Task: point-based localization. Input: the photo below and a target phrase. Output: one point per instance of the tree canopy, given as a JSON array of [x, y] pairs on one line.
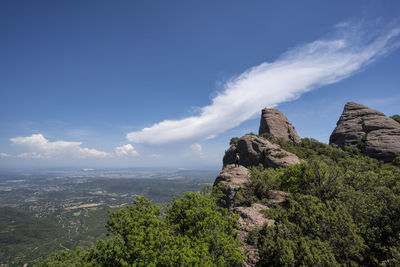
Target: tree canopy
[[343, 209], [192, 230]]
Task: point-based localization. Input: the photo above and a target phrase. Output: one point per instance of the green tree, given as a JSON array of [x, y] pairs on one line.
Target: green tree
[[192, 231], [396, 118]]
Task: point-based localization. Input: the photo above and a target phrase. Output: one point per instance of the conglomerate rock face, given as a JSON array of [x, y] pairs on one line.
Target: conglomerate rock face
[[274, 123], [254, 150], [359, 126]]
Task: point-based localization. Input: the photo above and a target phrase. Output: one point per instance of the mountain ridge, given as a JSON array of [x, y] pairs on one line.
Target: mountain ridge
[[269, 151]]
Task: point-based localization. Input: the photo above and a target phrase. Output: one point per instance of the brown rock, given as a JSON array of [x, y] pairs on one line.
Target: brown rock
[[254, 150], [250, 218], [274, 123], [230, 180], [375, 134]]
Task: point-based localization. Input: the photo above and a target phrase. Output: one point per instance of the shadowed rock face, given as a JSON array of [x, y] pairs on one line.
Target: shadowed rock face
[[359, 126], [276, 124], [254, 150]]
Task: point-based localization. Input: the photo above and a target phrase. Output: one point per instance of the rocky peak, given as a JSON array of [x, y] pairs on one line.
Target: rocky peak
[[274, 123], [254, 150], [360, 126]]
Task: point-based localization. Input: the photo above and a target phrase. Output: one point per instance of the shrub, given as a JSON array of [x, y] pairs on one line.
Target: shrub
[[234, 141], [396, 118]]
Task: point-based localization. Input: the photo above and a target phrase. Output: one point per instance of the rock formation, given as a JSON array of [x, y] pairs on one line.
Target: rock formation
[[254, 150], [274, 123], [230, 181], [371, 130], [375, 134]]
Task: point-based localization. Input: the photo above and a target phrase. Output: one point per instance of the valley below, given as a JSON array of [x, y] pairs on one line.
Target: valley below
[[49, 210]]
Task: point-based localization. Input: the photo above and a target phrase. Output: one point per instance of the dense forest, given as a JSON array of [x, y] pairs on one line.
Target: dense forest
[[343, 209]]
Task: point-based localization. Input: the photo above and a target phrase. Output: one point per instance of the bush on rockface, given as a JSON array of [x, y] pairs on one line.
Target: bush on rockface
[[396, 118]]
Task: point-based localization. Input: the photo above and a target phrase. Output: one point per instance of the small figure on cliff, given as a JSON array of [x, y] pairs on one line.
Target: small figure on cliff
[[237, 160]]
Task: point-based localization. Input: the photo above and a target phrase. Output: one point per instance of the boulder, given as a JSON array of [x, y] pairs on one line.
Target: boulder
[[275, 124], [370, 130], [254, 150]]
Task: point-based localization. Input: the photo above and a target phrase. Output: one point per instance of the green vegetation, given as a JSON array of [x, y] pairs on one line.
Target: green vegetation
[[281, 155], [193, 230], [26, 238], [343, 210], [40, 215], [21, 232], [234, 141], [396, 118]]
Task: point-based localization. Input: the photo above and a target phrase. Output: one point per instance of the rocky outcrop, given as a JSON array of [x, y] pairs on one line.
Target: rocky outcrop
[[230, 180], [274, 123], [254, 150], [375, 134]]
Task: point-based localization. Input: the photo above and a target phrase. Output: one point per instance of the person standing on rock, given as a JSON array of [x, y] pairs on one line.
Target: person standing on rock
[[237, 158]]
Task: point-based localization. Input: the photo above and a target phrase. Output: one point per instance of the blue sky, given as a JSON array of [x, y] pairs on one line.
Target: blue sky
[[168, 83]]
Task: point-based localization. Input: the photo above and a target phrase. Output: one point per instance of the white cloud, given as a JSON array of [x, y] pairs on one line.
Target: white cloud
[[40, 147], [126, 150], [4, 155], [197, 149], [299, 70], [32, 155]]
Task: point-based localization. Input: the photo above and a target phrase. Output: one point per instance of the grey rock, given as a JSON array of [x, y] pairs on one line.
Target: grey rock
[[375, 134], [230, 180], [254, 150], [274, 123]]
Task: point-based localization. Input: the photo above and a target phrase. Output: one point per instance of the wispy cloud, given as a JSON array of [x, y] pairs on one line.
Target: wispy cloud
[[40, 147], [301, 69]]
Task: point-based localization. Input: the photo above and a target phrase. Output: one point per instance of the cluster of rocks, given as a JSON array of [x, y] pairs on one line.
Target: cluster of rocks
[[254, 150], [370, 130], [359, 126]]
